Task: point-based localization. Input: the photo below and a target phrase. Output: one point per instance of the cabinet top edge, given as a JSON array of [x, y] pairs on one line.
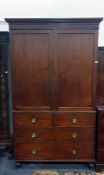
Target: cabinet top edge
[[53, 20]]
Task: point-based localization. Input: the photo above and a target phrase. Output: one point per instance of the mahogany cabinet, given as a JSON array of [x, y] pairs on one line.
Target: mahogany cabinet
[[54, 85]]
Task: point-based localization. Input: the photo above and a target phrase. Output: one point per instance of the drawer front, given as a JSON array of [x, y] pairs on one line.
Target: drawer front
[[59, 133], [74, 134], [53, 151], [28, 120], [75, 119], [34, 151], [34, 134], [73, 151]]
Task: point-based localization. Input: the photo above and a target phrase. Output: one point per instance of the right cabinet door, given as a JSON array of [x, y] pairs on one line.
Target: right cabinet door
[[75, 57]]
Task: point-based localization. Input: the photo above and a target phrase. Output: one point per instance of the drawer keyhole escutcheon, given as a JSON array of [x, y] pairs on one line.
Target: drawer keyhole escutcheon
[[33, 152], [74, 152], [74, 120], [33, 120], [74, 135], [33, 135]]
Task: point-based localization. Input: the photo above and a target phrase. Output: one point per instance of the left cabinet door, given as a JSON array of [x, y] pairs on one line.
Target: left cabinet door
[[31, 58]]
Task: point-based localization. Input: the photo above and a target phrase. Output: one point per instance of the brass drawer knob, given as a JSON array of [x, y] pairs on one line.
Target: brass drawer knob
[[33, 135], [33, 120], [74, 120], [74, 152], [33, 152], [74, 135]]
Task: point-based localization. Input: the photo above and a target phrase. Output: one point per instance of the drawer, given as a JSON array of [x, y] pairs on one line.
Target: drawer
[[75, 134], [53, 151], [75, 119], [31, 120], [34, 134], [73, 151], [58, 133], [34, 151]]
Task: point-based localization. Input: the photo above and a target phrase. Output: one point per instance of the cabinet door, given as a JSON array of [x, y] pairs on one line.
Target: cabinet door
[[75, 54], [31, 60]]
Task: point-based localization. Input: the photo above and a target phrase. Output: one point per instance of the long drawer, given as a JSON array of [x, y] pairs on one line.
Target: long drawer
[[56, 133], [31, 120], [75, 119], [53, 151]]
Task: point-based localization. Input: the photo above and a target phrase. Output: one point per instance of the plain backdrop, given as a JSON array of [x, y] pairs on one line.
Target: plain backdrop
[[52, 9]]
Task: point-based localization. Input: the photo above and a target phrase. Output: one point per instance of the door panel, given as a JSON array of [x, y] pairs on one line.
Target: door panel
[[31, 71], [75, 65]]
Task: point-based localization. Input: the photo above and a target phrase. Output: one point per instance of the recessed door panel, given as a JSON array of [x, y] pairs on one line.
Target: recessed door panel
[[31, 71], [75, 66]]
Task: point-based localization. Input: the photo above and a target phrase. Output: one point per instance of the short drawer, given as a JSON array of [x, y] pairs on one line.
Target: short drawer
[[34, 134], [75, 134], [34, 151], [75, 119], [58, 134], [73, 151], [30, 120], [54, 151]]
